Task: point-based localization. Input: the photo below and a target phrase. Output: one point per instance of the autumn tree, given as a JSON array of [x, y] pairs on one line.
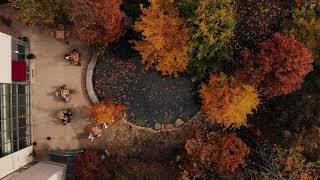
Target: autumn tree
[[292, 120], [294, 165], [279, 68], [107, 112], [98, 21], [88, 165], [164, 43], [37, 12], [305, 26], [225, 152], [187, 8], [212, 28], [226, 101]]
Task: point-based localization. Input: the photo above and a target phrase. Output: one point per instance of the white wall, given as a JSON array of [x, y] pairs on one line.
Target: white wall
[[15, 161], [5, 58]]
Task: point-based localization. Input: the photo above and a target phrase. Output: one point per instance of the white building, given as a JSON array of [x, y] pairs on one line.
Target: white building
[[15, 115]]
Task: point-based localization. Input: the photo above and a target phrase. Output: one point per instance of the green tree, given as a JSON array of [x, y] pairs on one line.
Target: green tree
[[305, 26], [212, 27], [187, 8], [36, 12]]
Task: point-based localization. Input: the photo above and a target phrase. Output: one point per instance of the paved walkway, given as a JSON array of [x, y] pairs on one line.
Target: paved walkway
[[52, 71]]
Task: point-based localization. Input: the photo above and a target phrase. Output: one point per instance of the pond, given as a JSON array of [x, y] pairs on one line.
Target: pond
[[149, 96]]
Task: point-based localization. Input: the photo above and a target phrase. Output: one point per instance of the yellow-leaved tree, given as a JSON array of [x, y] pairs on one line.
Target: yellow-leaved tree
[[165, 42], [227, 101], [107, 112]]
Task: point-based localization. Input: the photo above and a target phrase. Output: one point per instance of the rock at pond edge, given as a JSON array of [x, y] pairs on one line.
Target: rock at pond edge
[[157, 126], [179, 122]]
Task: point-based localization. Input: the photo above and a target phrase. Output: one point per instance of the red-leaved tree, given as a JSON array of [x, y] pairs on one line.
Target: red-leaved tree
[[88, 165], [279, 68], [226, 152], [97, 21]]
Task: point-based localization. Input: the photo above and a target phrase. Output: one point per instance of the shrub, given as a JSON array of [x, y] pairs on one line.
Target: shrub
[[107, 112], [227, 101], [164, 43], [100, 21], [279, 68], [212, 28]]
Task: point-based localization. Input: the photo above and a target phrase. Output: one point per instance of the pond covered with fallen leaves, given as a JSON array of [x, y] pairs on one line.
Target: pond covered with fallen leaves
[[149, 97]]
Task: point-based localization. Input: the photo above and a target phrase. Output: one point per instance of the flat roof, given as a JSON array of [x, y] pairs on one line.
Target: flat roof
[[44, 170], [5, 58]]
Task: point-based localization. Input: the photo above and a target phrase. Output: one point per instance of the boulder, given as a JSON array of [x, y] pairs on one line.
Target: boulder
[[179, 122], [157, 126], [168, 126]]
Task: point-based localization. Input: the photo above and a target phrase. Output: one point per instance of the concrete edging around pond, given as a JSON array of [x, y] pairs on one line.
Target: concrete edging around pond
[[89, 78]]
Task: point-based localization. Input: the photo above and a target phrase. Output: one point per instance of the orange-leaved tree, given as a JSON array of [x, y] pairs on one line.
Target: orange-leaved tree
[[97, 21], [107, 112], [279, 68], [227, 101], [226, 152], [165, 42]]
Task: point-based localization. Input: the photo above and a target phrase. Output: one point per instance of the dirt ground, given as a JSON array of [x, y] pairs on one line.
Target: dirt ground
[[123, 139]]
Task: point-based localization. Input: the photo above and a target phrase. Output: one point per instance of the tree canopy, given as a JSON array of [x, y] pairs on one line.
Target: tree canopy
[[165, 42], [226, 152], [98, 21], [305, 26], [212, 28], [279, 68], [227, 101], [37, 12]]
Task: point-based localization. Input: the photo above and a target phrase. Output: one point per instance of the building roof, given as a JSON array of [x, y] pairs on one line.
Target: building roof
[[5, 58], [43, 170]]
